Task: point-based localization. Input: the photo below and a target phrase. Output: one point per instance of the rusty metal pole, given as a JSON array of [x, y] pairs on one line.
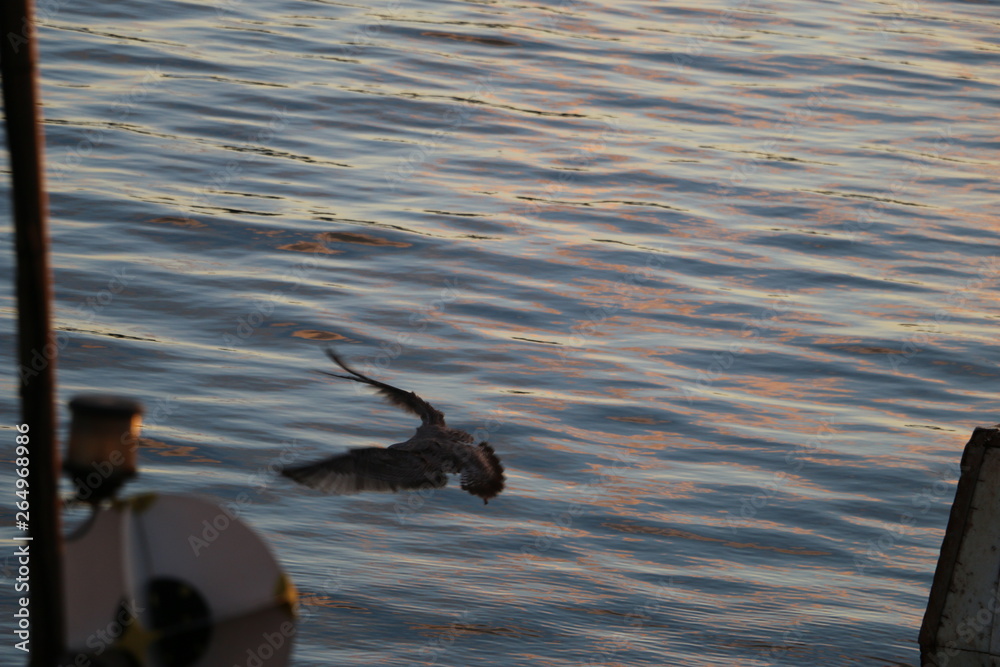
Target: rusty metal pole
[[36, 346]]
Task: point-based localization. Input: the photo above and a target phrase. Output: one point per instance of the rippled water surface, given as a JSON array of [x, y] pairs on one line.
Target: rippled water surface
[[717, 281]]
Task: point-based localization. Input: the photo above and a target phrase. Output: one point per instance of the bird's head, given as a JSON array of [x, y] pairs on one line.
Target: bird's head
[[485, 480]]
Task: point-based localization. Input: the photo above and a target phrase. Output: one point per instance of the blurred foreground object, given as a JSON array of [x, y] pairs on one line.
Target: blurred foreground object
[[961, 627], [173, 581], [103, 439], [162, 580]]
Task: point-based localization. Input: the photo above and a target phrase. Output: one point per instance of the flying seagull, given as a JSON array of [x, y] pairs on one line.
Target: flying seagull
[[421, 462]]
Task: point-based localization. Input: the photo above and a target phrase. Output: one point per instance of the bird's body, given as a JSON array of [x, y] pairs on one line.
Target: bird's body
[[423, 461]]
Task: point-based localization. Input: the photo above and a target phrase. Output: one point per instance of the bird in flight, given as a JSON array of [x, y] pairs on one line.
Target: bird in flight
[[423, 461]]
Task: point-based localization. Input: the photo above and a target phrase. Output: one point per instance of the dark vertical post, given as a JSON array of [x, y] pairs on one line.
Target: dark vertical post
[[36, 347]]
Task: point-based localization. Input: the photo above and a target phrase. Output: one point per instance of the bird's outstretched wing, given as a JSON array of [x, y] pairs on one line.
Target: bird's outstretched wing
[[482, 472], [403, 399], [367, 469]]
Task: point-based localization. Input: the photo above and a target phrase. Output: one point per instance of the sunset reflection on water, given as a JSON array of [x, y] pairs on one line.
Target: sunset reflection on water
[[717, 282]]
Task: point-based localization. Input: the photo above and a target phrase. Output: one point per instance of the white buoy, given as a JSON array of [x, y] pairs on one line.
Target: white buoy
[[174, 580]]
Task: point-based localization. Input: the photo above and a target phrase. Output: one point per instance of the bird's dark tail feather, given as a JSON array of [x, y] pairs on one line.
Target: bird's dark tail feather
[[354, 375], [406, 400]]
